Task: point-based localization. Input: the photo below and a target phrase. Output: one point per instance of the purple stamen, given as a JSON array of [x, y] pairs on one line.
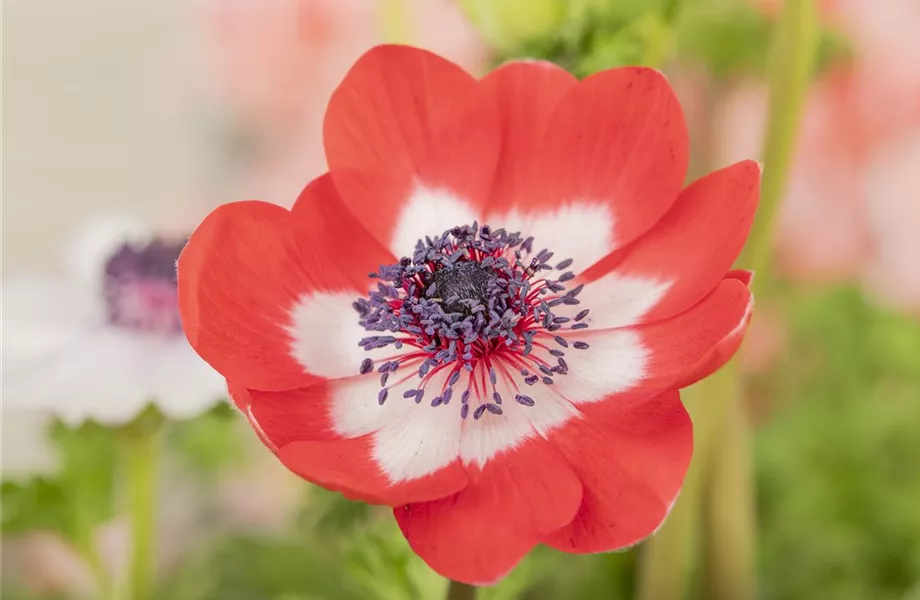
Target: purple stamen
[[564, 264], [471, 298], [525, 400]]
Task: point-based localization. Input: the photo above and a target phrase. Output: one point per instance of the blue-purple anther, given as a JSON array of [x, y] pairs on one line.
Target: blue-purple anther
[[476, 302], [139, 287]]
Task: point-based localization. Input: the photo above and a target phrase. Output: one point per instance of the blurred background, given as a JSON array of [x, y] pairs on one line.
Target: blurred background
[[125, 122]]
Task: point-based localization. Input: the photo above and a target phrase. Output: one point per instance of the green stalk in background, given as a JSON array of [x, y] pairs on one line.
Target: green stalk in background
[[719, 483], [667, 559], [659, 36], [794, 50], [140, 446], [394, 21], [729, 512]]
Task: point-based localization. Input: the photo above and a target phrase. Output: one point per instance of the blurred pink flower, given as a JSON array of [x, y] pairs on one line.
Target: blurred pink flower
[[892, 185], [851, 201], [263, 496], [276, 62], [44, 564]]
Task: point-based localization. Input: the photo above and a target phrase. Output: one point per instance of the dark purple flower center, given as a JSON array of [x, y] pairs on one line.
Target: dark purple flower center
[[140, 287], [468, 301]]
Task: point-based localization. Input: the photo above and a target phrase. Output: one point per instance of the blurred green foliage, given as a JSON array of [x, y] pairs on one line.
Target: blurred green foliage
[[838, 483], [210, 443], [77, 498], [725, 37]]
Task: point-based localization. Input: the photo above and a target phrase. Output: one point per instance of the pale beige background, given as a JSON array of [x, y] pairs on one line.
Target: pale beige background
[[98, 116]]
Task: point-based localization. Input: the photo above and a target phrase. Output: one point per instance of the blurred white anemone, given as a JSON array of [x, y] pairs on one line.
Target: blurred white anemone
[[102, 341]]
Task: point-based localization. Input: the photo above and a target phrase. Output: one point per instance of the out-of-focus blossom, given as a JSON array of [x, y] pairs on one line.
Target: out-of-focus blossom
[[263, 496], [276, 62], [103, 340], [44, 564], [892, 186], [849, 211], [551, 409]]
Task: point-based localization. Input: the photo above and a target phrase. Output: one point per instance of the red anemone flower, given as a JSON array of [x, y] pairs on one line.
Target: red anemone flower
[[481, 316]]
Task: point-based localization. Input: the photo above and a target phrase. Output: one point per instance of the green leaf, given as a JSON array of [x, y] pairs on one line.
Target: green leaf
[[210, 442], [77, 498]]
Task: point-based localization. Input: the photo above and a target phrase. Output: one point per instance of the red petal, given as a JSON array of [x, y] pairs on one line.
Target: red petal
[[293, 415], [723, 352], [241, 271], [347, 466], [617, 139], [249, 263], [331, 229], [694, 244], [337, 435], [631, 454], [402, 117], [681, 345], [526, 94], [479, 534], [745, 277], [656, 356], [242, 399]]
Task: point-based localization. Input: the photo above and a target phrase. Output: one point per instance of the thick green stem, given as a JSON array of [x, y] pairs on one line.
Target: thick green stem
[[729, 517], [793, 56], [665, 560], [730, 520], [668, 558], [461, 591], [395, 22], [659, 36], [141, 451]]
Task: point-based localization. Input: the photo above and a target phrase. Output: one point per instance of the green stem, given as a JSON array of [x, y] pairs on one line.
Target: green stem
[[461, 591], [668, 558], [729, 543], [659, 33], [84, 539], [665, 560], [729, 517], [669, 11], [141, 449], [793, 56], [395, 21]]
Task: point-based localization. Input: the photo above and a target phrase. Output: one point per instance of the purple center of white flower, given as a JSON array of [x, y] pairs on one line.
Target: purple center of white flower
[[140, 287], [472, 301]]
